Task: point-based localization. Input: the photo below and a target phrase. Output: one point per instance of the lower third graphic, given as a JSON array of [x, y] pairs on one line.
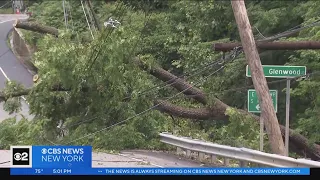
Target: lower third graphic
[[21, 156]]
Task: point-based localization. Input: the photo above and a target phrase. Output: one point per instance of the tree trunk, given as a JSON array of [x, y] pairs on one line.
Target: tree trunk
[[218, 108], [225, 47], [268, 114], [31, 26]]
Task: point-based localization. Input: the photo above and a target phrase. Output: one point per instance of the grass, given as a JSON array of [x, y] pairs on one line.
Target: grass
[[6, 11]]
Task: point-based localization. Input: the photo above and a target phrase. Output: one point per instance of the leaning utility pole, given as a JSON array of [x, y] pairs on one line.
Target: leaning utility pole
[[268, 114]]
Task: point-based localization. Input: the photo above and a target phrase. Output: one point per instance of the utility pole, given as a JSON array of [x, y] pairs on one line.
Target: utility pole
[[268, 115]]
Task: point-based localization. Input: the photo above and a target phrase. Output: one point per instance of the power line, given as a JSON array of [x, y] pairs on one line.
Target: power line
[[104, 40], [5, 162], [236, 52], [65, 14], [5, 4], [279, 35], [221, 62], [4, 53], [290, 31], [186, 75], [252, 86], [89, 26]]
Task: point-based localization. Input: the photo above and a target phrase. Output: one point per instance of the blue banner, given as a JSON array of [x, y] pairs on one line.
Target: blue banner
[[160, 171], [61, 157]]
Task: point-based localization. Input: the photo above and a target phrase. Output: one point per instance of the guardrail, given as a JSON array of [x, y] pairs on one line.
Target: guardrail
[[243, 155]]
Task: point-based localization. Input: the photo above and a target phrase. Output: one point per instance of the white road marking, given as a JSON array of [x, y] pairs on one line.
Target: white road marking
[[21, 18], [5, 75], [7, 21]]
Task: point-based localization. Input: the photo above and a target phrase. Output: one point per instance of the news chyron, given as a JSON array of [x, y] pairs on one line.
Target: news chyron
[[50, 156]]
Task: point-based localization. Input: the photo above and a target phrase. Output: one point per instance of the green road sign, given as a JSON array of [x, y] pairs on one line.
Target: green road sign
[[253, 101], [280, 71]]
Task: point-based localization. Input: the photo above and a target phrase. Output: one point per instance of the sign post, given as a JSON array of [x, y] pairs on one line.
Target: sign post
[[261, 134], [254, 107], [275, 71], [287, 117]]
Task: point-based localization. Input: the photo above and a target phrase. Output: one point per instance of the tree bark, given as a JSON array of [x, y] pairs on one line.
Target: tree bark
[[189, 113], [225, 47], [268, 114], [32, 26]]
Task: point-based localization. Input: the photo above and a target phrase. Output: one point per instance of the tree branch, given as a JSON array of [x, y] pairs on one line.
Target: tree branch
[[25, 92], [36, 27]]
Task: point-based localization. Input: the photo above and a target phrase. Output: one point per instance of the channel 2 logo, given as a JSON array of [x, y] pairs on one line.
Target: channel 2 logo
[[21, 156]]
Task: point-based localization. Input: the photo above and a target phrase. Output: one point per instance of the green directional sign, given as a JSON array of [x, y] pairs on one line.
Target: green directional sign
[[253, 101], [280, 71]]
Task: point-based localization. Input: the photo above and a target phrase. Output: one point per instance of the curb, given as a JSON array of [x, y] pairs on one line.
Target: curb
[[12, 48]]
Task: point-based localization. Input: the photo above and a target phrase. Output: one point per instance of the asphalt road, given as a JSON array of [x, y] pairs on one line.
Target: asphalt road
[[10, 67]]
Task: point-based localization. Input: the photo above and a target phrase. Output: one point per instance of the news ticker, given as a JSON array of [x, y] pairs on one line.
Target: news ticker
[[159, 171]]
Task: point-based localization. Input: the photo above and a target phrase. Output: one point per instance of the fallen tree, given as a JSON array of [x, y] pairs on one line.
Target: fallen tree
[[215, 111]]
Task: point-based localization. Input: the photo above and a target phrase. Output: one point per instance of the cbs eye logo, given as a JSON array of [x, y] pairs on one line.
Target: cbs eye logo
[[21, 156]]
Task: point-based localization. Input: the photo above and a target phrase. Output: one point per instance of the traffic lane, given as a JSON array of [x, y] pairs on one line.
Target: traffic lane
[[9, 62], [6, 24], [23, 113], [5, 27], [11, 65], [3, 49], [14, 70], [24, 106]]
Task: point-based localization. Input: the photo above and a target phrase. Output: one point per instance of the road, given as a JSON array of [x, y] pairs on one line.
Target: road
[[10, 66], [134, 158]]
